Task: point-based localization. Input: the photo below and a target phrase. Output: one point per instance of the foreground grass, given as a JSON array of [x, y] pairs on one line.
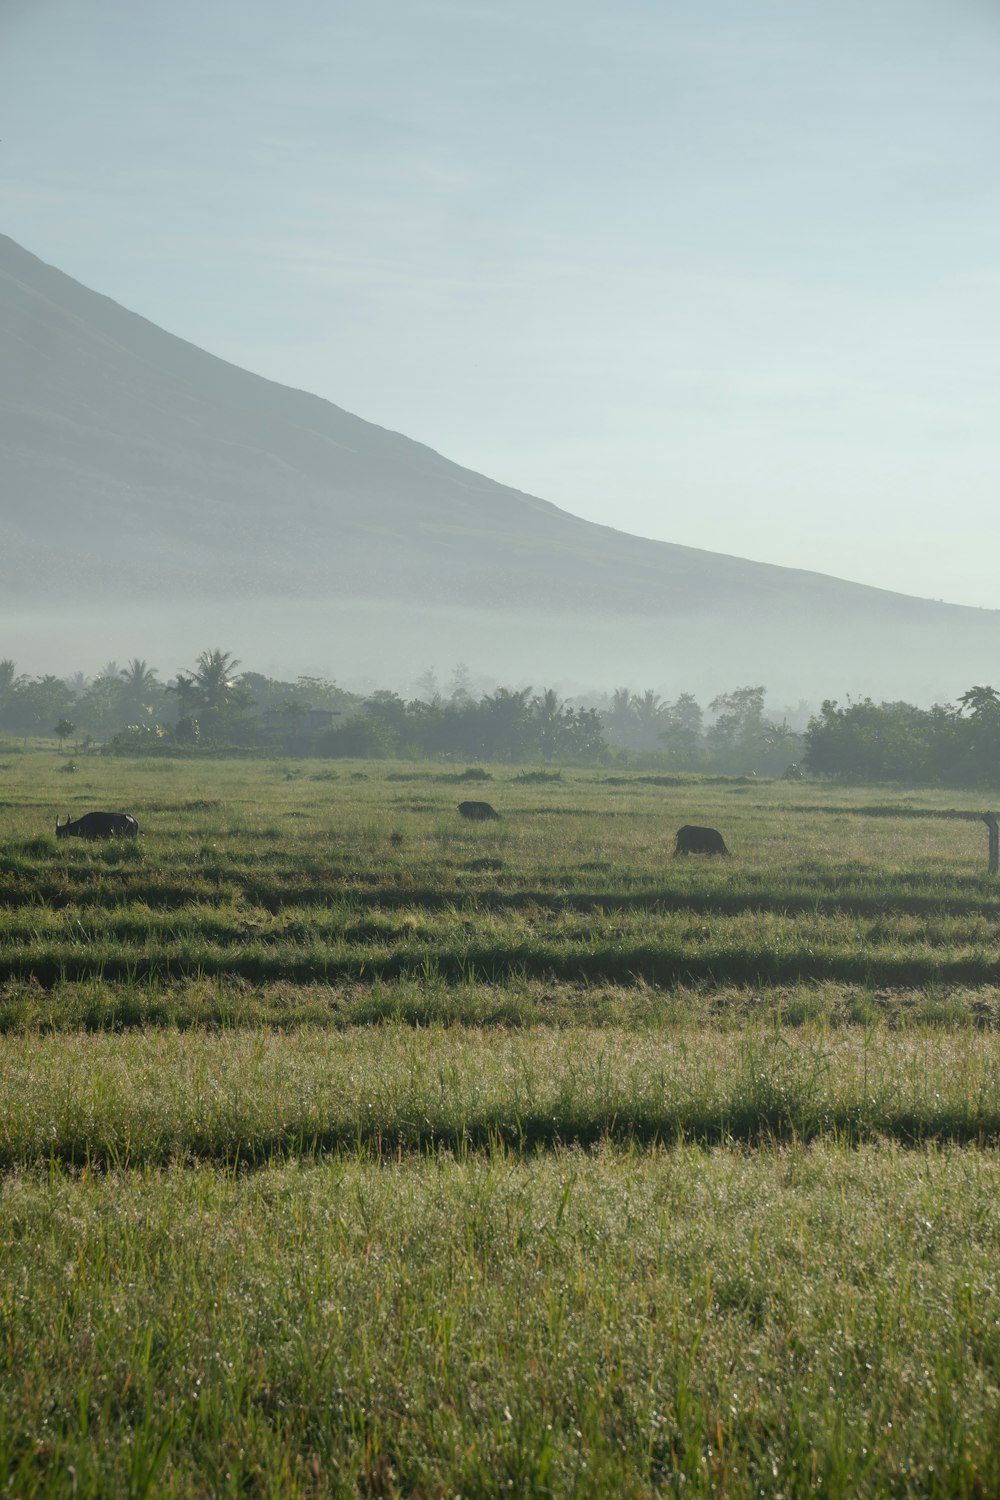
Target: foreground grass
[[249, 1097], [806, 1320]]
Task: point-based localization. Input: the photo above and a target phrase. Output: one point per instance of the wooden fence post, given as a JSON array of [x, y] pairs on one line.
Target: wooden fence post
[[990, 819]]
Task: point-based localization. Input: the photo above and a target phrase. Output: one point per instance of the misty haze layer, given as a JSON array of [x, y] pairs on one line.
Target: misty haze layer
[[157, 500]]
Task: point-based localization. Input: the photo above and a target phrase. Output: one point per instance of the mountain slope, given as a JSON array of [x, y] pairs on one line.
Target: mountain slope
[[142, 468]]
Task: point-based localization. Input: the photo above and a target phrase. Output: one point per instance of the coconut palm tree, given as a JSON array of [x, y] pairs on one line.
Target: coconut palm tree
[[213, 697], [138, 676], [621, 714], [140, 690], [547, 712], [981, 703], [10, 681], [505, 722], [648, 708], [212, 684]]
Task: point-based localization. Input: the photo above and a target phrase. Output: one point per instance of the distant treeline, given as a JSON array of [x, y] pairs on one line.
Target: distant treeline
[[216, 705], [947, 745]]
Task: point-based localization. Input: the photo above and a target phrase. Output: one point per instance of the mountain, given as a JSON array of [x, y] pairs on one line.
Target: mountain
[[151, 485]]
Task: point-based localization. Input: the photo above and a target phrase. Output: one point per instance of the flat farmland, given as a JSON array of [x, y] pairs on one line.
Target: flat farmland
[[348, 1147], [247, 872]]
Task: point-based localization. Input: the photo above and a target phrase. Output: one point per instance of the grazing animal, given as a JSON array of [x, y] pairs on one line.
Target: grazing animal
[[481, 811], [694, 840], [98, 825]]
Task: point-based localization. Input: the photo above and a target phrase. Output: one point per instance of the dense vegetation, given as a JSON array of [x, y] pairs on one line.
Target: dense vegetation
[[347, 1147], [215, 706], [939, 746]]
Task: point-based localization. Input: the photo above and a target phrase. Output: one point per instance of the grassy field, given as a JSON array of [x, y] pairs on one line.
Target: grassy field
[[350, 1148]]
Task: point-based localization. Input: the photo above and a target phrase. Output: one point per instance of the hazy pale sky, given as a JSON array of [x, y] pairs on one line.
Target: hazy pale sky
[[724, 273]]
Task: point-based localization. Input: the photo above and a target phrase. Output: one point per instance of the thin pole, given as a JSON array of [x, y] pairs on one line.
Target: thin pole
[[990, 819]]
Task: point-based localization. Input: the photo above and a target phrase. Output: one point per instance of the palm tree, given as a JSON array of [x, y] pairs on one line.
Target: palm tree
[[980, 731], [621, 714], [212, 684], [10, 680], [504, 717], [212, 698], [140, 689], [138, 676], [648, 708], [982, 703], [548, 715]]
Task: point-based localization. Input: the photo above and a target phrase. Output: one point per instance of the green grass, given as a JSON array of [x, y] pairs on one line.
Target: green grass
[[244, 873], [349, 1148], [151, 1098], [805, 1320], [225, 1000]]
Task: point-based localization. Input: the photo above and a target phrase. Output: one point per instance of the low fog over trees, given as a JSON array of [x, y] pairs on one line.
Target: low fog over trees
[[217, 705], [736, 735]]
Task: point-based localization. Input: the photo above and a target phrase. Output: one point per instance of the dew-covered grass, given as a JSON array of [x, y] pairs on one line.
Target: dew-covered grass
[[349, 1148], [248, 1096], [345, 876], [804, 1320]]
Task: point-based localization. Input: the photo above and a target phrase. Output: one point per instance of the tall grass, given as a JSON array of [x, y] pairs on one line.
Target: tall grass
[[806, 1320], [151, 1098]]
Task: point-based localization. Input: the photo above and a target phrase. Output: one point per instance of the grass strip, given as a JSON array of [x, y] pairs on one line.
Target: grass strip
[[146, 1099], [224, 1001], [661, 965]]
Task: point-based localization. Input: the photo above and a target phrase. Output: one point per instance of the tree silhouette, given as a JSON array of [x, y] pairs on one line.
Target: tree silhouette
[[505, 723], [547, 715], [138, 676], [212, 698], [648, 708], [980, 731], [428, 687], [212, 684], [982, 704], [681, 732], [10, 680], [739, 727], [460, 685], [140, 689], [621, 714]]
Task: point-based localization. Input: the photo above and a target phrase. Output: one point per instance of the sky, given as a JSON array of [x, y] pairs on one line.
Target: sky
[[720, 273]]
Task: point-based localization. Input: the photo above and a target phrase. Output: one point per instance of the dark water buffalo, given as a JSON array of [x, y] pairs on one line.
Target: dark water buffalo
[[98, 825], [481, 811], [694, 840]]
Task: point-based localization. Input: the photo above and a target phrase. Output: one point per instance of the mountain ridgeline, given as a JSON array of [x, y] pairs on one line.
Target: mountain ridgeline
[[150, 486]]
